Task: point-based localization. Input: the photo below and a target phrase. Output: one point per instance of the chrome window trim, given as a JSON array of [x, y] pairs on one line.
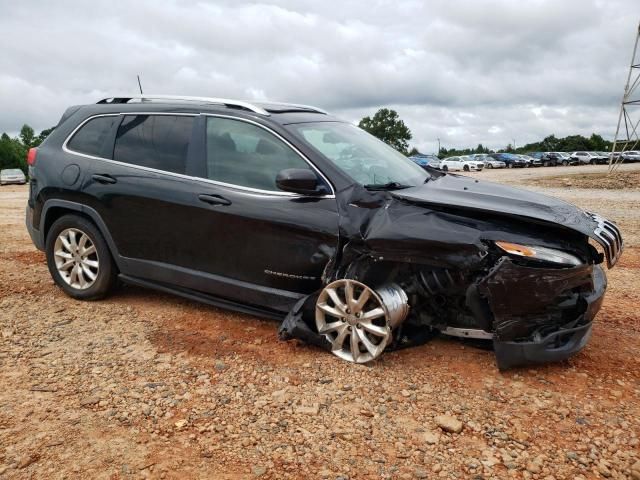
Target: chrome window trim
[[248, 190]]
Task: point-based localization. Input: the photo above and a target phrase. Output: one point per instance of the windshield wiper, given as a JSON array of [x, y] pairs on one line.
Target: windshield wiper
[[386, 186]]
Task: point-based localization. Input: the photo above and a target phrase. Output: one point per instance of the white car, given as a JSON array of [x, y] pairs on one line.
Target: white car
[[12, 175], [585, 158], [456, 164], [489, 162]]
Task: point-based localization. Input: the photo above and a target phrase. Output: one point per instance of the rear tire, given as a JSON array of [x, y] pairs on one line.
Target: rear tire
[[79, 258], [565, 163], [445, 169], [466, 168]]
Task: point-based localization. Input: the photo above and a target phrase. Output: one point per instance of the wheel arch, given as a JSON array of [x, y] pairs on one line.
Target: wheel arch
[[55, 209]]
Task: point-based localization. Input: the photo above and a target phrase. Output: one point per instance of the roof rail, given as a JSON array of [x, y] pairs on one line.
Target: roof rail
[[221, 101], [295, 105]]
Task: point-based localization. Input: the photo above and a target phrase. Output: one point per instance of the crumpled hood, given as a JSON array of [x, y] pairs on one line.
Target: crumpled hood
[[468, 193]]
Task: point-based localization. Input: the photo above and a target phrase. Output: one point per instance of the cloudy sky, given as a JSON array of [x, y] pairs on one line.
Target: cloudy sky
[[467, 72]]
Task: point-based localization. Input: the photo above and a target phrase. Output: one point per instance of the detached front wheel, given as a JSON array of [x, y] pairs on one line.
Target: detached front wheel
[[358, 321], [79, 259]]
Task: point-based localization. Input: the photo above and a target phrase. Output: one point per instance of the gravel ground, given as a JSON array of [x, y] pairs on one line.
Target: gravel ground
[[145, 385]]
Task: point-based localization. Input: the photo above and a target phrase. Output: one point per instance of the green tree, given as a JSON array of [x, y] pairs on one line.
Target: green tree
[[413, 151], [43, 134], [12, 153], [388, 127], [27, 136]]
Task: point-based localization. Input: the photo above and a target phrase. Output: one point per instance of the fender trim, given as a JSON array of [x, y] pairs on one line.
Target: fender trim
[[88, 211]]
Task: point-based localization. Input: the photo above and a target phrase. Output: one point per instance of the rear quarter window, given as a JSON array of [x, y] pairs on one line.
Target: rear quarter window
[[92, 137]]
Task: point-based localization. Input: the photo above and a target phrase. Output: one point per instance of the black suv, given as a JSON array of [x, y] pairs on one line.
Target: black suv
[[287, 212]]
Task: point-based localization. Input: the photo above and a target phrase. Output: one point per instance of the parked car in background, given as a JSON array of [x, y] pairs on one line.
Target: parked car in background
[[465, 163], [12, 175], [489, 162], [551, 159], [603, 157], [425, 160], [510, 160], [565, 159], [531, 161], [629, 156], [585, 158]]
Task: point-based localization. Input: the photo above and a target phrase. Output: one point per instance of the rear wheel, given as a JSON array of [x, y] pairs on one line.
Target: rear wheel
[[445, 169], [565, 163], [79, 259], [466, 168]]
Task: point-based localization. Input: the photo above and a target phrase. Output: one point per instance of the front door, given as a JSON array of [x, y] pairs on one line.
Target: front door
[[258, 233]]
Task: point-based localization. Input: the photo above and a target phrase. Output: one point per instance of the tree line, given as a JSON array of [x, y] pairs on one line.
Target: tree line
[[13, 151], [387, 125]]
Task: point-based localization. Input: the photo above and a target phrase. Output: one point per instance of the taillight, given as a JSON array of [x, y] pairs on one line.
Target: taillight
[[31, 156]]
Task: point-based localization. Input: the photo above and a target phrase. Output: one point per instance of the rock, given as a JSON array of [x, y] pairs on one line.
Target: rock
[[420, 473], [258, 470], [181, 423], [535, 465], [312, 409], [448, 423], [88, 401], [604, 470], [436, 468], [430, 438], [219, 365], [28, 460], [635, 470]]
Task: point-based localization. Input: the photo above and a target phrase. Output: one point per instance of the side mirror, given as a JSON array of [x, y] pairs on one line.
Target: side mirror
[[299, 180]]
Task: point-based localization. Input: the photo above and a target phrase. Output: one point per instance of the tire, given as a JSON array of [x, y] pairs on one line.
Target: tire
[[466, 168], [509, 165], [99, 263], [489, 165], [445, 169], [565, 163]]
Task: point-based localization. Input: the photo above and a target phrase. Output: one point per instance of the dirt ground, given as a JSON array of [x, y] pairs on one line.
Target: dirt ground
[[146, 385]]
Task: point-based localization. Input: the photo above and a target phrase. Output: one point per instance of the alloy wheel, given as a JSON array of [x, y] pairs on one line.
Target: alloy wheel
[[354, 319], [76, 258]]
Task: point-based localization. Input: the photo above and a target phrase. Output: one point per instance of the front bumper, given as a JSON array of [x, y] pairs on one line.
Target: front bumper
[[555, 325]]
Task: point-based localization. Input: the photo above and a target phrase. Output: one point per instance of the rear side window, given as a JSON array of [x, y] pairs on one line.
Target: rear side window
[[240, 153], [91, 138], [154, 141]]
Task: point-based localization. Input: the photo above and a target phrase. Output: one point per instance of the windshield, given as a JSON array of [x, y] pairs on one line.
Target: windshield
[[363, 157], [12, 171]]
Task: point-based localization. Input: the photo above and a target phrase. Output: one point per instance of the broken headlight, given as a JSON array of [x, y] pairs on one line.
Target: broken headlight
[[542, 254]]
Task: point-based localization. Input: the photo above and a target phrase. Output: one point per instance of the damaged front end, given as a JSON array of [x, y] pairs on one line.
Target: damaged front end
[[410, 267]]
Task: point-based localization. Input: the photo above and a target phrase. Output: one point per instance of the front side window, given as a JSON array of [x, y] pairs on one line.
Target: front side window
[[92, 137], [361, 156], [154, 141], [244, 154]]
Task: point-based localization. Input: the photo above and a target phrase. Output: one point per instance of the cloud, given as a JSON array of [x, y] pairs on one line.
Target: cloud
[[487, 71]]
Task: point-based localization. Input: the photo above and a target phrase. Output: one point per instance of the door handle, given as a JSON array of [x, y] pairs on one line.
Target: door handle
[[214, 199], [104, 178]]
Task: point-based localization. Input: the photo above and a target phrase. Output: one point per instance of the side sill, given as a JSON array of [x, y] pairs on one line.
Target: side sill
[[203, 297]]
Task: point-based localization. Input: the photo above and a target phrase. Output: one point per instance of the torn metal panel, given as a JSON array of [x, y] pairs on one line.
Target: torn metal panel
[[436, 243]]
